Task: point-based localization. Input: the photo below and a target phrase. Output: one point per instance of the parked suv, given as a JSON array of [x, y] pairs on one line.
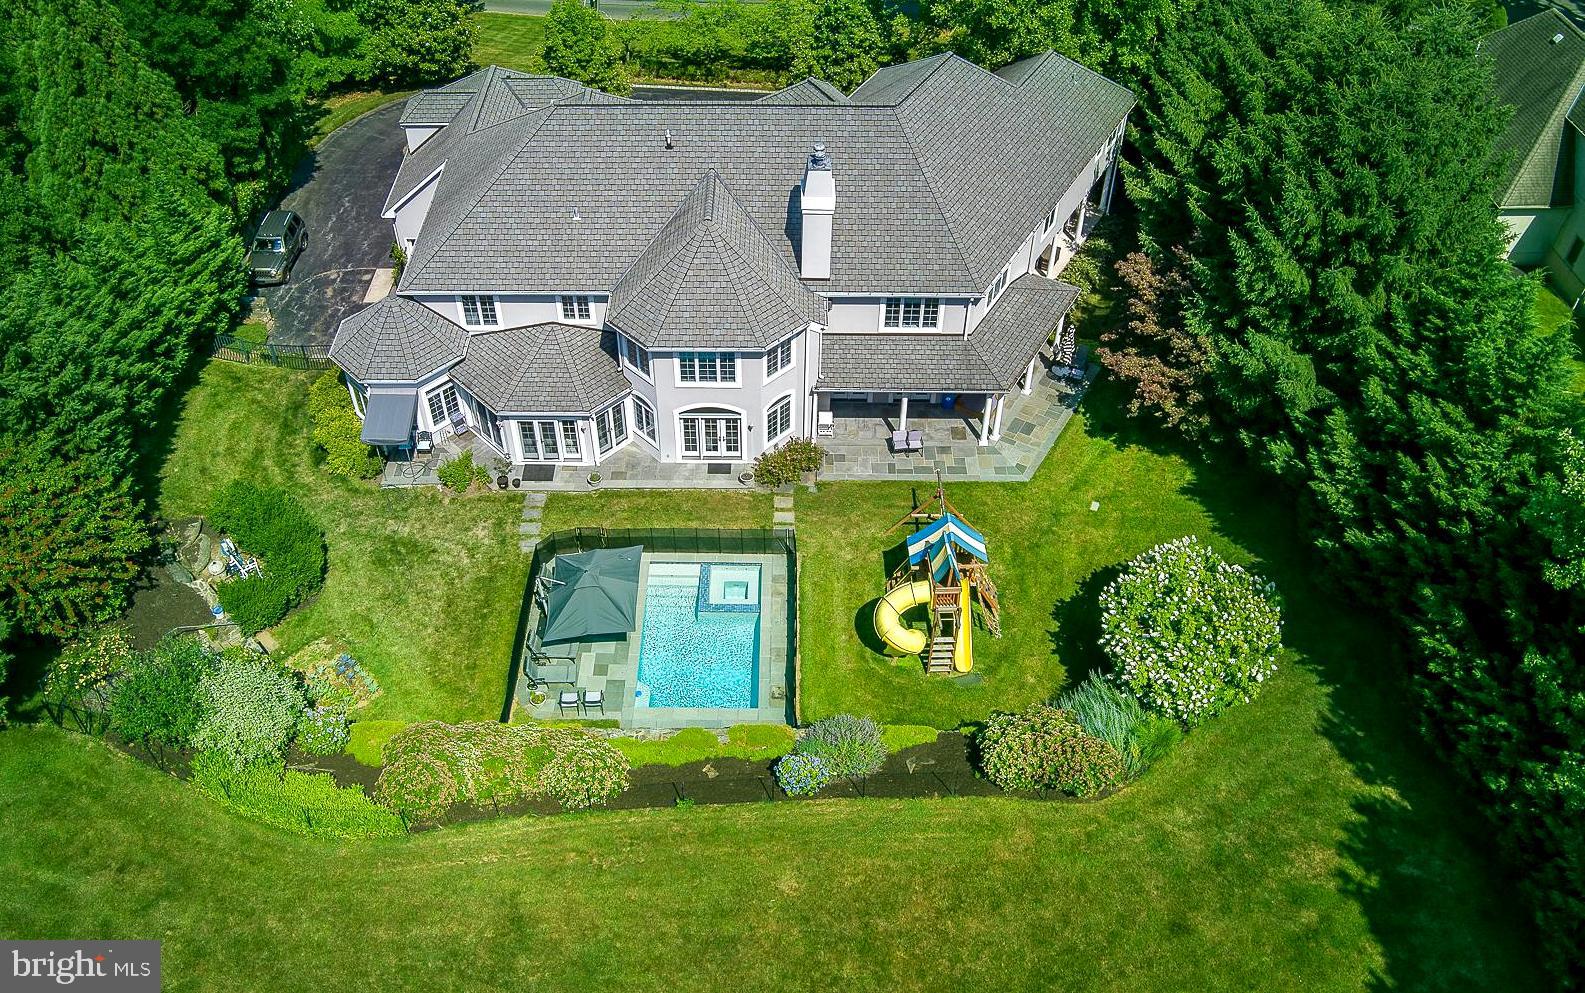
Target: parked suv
[[276, 245]]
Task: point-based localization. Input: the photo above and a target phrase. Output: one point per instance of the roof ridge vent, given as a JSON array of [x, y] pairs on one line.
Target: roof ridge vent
[[1557, 38]]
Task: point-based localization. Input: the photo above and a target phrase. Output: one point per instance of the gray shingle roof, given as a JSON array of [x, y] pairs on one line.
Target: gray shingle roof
[[1541, 80], [939, 178], [712, 277], [989, 360], [543, 369], [396, 339], [808, 90]]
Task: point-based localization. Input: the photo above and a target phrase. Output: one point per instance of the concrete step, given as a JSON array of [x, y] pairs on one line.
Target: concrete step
[[527, 546], [783, 501], [529, 528], [533, 513], [783, 517], [534, 498]]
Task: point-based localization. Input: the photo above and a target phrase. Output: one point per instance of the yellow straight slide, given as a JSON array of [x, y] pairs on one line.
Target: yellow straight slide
[[963, 650], [889, 612]]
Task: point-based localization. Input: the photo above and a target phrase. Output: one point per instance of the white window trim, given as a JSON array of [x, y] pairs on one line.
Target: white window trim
[[718, 384], [495, 305], [594, 430], [902, 307], [627, 360], [697, 410], [792, 422], [791, 345], [561, 307], [654, 420]]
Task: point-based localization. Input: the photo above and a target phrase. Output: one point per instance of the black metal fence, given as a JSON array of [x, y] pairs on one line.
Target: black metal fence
[[234, 349], [702, 541]]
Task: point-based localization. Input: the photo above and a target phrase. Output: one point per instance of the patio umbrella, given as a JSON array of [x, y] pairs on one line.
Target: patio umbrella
[[592, 593]]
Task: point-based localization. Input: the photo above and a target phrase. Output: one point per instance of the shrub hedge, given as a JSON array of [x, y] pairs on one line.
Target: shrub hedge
[[251, 708], [270, 524], [304, 803], [788, 461], [1044, 748], [802, 774], [457, 474], [157, 701], [338, 429]]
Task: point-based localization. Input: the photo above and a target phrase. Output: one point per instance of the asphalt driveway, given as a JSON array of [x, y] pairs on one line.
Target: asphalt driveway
[[339, 189]]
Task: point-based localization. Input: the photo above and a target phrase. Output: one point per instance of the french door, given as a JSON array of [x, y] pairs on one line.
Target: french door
[[549, 441], [712, 435]]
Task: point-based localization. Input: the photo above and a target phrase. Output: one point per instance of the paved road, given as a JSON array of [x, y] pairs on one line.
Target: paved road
[[340, 189]]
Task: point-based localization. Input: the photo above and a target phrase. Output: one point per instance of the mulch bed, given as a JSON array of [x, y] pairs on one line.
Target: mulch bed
[[940, 768]]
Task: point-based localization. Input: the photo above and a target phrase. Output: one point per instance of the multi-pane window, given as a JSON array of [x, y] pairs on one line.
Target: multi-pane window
[[479, 312], [778, 358], [548, 441], [610, 428], [443, 405], [997, 287], [913, 312], [1051, 219], [644, 418], [707, 367], [636, 356], [575, 308], [778, 419]]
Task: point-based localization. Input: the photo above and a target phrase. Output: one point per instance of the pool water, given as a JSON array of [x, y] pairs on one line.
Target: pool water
[[699, 644]]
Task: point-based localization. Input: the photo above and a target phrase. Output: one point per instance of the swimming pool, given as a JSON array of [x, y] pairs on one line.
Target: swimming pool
[[699, 644]]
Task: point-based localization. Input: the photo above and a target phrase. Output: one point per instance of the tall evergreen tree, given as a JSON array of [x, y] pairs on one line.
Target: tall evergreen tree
[[1323, 179]]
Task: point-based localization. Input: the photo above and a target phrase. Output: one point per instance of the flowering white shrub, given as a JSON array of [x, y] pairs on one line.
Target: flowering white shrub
[[1190, 634]]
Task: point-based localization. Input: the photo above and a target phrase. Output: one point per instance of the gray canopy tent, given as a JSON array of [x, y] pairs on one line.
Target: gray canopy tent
[[592, 594]]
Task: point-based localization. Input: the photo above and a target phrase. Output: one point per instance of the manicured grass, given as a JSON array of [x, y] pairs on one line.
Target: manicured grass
[[1553, 311], [745, 741], [423, 588], [511, 41], [345, 107], [736, 508], [367, 740]]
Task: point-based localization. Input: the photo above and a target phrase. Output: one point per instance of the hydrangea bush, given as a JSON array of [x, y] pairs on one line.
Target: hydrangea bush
[[584, 771], [801, 774], [1044, 748], [1190, 635], [324, 730]]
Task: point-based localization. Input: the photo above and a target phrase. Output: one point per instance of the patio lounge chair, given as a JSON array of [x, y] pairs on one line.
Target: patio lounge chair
[[459, 425], [554, 665]]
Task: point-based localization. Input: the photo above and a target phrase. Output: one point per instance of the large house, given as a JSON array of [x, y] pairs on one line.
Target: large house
[[706, 280], [1539, 64]]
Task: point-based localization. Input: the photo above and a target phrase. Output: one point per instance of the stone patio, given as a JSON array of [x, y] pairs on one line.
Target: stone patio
[[611, 665]]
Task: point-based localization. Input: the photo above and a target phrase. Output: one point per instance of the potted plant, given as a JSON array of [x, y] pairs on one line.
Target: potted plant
[[502, 467], [537, 696], [594, 479]]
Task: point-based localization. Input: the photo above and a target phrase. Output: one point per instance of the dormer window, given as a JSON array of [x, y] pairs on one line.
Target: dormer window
[[575, 308], [922, 313], [479, 312]]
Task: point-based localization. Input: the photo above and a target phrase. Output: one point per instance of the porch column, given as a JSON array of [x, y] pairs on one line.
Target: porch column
[[902, 418], [985, 420], [1109, 185], [1029, 375], [996, 426], [1078, 233]]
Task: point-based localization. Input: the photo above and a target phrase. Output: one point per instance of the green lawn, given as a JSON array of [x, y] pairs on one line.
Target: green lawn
[[1553, 311], [1305, 842], [423, 588], [346, 107], [511, 41]]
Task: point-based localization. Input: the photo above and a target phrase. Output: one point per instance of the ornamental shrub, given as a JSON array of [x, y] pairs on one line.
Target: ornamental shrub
[[584, 770], [850, 747], [324, 729], [338, 430], [1044, 748], [1110, 714], [1190, 634], [430, 767], [802, 774], [87, 663], [459, 473], [251, 708], [788, 461], [158, 702], [270, 524], [304, 803]]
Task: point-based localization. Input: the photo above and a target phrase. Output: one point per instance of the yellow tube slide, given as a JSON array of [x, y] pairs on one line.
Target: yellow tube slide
[[889, 618], [963, 650]]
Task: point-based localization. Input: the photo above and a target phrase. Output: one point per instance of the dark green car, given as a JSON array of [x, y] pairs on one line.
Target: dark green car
[[276, 245]]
